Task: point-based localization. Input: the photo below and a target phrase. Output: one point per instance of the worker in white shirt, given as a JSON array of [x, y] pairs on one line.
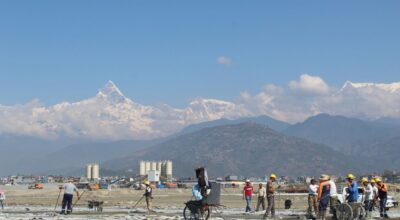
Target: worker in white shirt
[[261, 194], [368, 196], [312, 198], [333, 200], [374, 192], [69, 189], [2, 199], [148, 194]]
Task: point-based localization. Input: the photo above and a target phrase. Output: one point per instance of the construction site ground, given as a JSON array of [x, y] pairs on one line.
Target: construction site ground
[[24, 204]]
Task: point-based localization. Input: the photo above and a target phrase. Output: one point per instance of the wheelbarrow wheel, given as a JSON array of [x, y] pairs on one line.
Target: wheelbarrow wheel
[[344, 212]]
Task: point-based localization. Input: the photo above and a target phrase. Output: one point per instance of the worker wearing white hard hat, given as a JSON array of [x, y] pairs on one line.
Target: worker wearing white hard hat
[[247, 194]]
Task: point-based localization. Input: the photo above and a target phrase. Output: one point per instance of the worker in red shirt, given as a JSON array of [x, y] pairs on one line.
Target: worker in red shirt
[[247, 194]]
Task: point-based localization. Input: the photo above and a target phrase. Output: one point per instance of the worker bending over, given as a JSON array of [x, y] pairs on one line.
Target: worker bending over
[[69, 189]]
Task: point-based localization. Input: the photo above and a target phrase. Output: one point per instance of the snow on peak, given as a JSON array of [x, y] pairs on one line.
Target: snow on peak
[[209, 109], [204, 102], [111, 92], [389, 87], [110, 88]]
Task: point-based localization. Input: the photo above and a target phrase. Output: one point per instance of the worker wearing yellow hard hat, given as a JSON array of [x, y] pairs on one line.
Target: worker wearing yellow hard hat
[[148, 194], [375, 191], [270, 196], [382, 194], [368, 196], [352, 188]]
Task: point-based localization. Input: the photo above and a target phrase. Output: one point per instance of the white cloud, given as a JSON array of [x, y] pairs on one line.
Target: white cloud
[[310, 95], [225, 61], [310, 84]]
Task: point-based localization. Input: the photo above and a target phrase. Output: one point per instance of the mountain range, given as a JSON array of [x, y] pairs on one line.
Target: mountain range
[[247, 149], [114, 130], [248, 146], [341, 133]]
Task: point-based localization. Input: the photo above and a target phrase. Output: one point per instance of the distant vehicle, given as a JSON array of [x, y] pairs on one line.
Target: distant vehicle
[[390, 203], [36, 186], [94, 186]]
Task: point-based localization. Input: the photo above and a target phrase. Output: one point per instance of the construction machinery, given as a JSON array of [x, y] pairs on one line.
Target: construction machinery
[[94, 186], [36, 186]]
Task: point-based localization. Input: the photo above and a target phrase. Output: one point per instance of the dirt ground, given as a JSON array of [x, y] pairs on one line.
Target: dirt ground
[[118, 202], [163, 198]]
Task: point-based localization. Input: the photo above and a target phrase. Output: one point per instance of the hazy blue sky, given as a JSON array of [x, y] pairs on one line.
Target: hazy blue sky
[[167, 51]]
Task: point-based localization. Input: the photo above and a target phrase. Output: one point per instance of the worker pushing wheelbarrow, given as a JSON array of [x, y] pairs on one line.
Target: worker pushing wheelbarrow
[[206, 196], [352, 206]]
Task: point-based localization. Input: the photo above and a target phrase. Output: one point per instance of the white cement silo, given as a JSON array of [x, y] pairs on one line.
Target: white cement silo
[[89, 171], [95, 171], [168, 169], [148, 166], [142, 168], [159, 166], [153, 165]]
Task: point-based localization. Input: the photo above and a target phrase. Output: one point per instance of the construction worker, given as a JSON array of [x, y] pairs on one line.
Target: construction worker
[[375, 193], [312, 198], [69, 189], [270, 196], [247, 194], [352, 189], [148, 194], [324, 190], [382, 194], [368, 196], [2, 199], [333, 198], [261, 194]]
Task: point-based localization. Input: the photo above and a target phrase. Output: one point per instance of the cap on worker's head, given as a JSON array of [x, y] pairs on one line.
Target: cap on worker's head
[[146, 182], [350, 176], [272, 176], [364, 180], [324, 177]]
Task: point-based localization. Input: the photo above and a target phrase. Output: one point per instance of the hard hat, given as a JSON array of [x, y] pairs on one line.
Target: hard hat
[[324, 177], [146, 182], [364, 180], [272, 176], [378, 180], [247, 181], [373, 181], [350, 176]]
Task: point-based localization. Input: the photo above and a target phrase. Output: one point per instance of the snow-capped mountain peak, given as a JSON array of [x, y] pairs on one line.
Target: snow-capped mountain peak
[[111, 92], [388, 87], [112, 116]]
